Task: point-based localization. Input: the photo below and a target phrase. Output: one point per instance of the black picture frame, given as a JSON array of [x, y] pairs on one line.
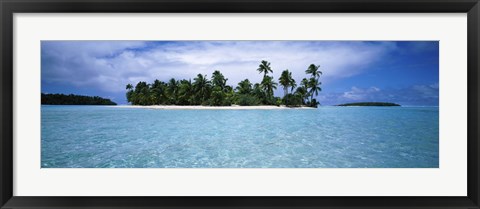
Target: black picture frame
[[9, 7]]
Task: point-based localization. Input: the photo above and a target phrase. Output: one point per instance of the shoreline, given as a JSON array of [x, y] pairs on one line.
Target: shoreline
[[233, 107]]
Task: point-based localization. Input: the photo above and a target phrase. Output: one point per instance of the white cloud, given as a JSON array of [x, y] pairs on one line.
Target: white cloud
[[360, 94], [110, 65]]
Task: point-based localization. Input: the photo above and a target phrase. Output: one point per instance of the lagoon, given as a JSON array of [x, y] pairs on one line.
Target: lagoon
[[326, 137]]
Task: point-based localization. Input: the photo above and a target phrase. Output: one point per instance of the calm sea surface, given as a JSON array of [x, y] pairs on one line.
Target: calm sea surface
[[327, 137]]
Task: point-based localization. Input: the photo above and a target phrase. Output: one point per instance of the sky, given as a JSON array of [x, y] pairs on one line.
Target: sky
[[403, 72]]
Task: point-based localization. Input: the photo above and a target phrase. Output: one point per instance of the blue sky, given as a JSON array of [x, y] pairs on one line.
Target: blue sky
[[404, 72]]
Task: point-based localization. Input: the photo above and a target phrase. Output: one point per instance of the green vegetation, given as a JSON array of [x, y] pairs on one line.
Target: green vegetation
[[370, 104], [216, 91], [71, 99]]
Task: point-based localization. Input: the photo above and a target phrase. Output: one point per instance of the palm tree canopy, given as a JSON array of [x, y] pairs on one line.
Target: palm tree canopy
[[218, 79], [141, 85], [314, 70], [257, 89], [202, 86], [185, 86], [244, 87], [264, 67], [268, 84], [285, 79], [293, 84], [157, 84], [301, 91], [201, 82], [172, 84], [315, 86], [304, 83]]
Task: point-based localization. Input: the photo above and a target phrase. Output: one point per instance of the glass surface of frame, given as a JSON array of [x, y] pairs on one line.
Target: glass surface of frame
[[467, 202]]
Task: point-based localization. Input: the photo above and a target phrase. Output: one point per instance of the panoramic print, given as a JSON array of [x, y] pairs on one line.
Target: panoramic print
[[239, 104]]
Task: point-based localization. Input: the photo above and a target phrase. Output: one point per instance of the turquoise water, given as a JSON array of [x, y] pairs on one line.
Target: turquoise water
[[327, 137]]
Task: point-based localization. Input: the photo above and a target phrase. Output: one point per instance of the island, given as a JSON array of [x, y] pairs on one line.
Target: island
[[380, 104], [72, 99], [215, 91]]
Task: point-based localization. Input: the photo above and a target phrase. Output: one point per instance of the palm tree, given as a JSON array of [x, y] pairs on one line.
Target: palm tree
[[264, 68], [172, 87], [185, 92], [217, 96], [314, 87], [158, 91], [268, 85], [142, 94], [306, 85], [314, 70], [129, 95], [228, 95], [202, 87], [219, 80], [302, 93], [293, 84], [286, 81], [244, 87], [258, 91]]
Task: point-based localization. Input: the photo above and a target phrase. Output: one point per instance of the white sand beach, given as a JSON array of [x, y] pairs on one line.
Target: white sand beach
[[233, 107]]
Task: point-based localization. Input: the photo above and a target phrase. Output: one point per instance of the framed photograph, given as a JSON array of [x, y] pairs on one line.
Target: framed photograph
[[239, 104]]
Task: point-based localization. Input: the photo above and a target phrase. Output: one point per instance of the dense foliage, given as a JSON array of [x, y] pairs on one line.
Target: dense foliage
[[216, 91], [71, 99], [370, 104]]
